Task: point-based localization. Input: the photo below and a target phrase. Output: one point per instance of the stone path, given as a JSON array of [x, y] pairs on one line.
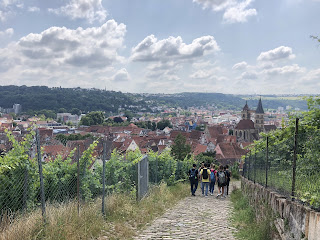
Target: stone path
[[205, 218]]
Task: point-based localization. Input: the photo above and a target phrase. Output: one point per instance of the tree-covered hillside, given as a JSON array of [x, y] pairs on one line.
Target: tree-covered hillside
[[41, 97], [38, 98], [188, 99]]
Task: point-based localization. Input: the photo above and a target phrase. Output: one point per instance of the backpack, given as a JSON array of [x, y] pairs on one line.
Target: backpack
[[192, 173], [212, 176], [205, 173], [222, 177]]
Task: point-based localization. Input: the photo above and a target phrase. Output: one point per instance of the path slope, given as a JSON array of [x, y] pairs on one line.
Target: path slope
[[198, 217]]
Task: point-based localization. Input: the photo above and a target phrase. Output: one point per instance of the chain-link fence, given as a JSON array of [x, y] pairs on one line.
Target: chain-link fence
[[31, 178], [289, 162]]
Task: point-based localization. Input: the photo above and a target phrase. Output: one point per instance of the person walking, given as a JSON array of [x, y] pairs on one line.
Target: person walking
[[228, 175], [221, 177], [193, 177], [205, 179], [213, 176], [200, 168]]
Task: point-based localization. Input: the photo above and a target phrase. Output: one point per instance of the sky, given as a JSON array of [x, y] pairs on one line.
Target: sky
[[162, 46]]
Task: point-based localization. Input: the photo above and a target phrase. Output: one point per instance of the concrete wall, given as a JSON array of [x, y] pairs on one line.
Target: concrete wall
[[293, 220]]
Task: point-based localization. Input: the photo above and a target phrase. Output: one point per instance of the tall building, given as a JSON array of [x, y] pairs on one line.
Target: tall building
[[17, 108], [259, 118], [247, 130]]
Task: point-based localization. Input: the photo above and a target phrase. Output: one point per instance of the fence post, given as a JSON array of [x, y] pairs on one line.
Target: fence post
[[43, 204], [294, 164], [249, 167], [78, 178], [254, 166], [156, 172], [267, 159], [244, 168], [104, 174], [25, 188]]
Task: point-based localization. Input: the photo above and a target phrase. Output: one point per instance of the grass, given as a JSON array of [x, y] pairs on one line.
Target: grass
[[124, 217], [307, 187], [244, 219]]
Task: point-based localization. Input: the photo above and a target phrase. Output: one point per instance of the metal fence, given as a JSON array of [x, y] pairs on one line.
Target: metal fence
[[288, 164], [29, 183]]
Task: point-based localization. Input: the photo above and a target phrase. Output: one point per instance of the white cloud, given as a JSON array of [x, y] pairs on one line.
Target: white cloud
[[121, 76], [7, 3], [168, 57], [239, 13], [289, 69], [33, 9], [94, 47], [8, 8], [235, 11], [92, 10], [249, 75], [7, 33], [276, 54], [152, 49], [201, 74], [311, 79], [240, 66]]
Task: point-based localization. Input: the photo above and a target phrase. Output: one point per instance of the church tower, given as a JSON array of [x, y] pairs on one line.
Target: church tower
[[259, 118], [245, 113]]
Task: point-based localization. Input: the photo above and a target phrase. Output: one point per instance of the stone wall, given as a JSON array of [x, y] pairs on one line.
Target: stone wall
[[292, 220]]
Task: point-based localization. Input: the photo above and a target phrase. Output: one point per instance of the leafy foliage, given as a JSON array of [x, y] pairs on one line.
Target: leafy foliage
[[92, 118], [180, 149], [163, 124], [72, 137], [280, 157]]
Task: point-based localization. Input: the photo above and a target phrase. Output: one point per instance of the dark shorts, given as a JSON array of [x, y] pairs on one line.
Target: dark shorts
[[221, 184]]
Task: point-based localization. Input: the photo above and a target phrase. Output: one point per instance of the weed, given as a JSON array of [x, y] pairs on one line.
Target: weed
[[244, 219], [124, 217]]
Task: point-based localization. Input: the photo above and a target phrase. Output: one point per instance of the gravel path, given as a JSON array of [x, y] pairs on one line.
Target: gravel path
[[194, 218]]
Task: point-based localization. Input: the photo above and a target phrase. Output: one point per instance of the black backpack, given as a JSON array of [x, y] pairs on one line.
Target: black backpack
[[205, 173], [192, 173]]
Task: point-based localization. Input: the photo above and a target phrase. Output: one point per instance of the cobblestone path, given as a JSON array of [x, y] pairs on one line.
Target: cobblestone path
[[198, 217]]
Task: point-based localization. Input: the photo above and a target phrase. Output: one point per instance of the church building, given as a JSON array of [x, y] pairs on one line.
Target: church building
[[248, 130]]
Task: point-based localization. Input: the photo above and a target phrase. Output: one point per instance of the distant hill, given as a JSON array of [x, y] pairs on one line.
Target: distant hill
[[189, 99], [38, 98], [225, 101]]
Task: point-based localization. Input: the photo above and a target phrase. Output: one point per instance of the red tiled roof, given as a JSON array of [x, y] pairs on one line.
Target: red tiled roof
[[246, 144], [195, 134], [199, 149], [230, 150], [214, 131], [53, 151], [175, 133], [245, 124]]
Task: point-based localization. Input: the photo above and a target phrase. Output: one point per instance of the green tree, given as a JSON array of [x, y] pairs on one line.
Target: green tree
[[75, 111], [62, 110], [129, 115], [207, 157], [163, 124], [180, 149], [118, 120], [92, 118]]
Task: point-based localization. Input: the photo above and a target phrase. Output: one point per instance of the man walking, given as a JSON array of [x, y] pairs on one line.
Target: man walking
[[193, 177], [205, 179]]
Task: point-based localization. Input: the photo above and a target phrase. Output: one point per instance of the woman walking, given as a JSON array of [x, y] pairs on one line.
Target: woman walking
[[222, 180], [213, 177]]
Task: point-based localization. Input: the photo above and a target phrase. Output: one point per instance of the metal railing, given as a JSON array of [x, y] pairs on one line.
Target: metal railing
[[291, 165]]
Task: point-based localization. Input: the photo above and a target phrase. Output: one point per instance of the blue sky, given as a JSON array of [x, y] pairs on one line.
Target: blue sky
[[162, 46]]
